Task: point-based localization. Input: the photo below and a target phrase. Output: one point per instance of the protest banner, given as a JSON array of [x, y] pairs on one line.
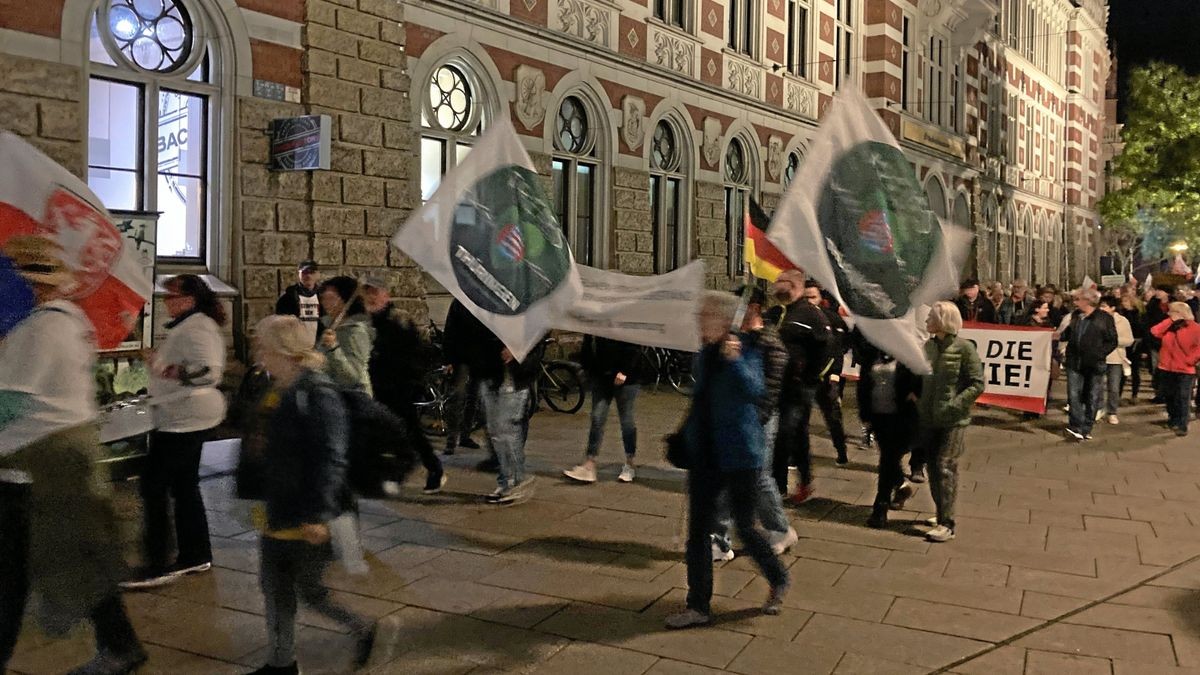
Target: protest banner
[[1016, 364], [657, 311]]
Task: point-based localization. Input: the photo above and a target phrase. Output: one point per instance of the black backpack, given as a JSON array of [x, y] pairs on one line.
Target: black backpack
[[380, 447]]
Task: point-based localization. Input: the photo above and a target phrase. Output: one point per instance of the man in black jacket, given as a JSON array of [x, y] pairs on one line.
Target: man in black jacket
[[611, 367], [829, 393], [505, 385], [972, 305], [805, 332], [456, 349], [1089, 336], [396, 369], [300, 299], [887, 403]]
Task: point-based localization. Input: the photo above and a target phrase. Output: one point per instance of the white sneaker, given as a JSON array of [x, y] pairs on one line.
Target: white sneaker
[[582, 473], [1112, 419], [627, 474], [932, 522], [940, 534], [1099, 415], [782, 541], [687, 619], [721, 555]]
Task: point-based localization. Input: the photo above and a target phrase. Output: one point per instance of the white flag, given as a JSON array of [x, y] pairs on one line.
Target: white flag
[[1087, 282], [856, 219], [489, 235]]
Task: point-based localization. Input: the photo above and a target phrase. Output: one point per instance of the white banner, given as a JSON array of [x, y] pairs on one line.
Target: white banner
[[658, 311], [1016, 364]]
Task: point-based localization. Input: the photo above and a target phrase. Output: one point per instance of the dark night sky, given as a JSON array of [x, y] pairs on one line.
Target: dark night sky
[[1155, 30]]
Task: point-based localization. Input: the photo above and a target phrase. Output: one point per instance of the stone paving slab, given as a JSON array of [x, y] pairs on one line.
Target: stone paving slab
[[1071, 558]]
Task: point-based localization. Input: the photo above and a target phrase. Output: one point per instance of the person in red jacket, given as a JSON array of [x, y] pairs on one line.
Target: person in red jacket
[[1177, 359]]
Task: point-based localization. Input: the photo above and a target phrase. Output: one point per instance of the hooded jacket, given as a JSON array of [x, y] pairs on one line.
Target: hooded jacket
[[949, 391], [1180, 349]]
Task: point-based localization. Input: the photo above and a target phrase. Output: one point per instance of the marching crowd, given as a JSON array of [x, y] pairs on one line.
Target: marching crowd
[[762, 368]]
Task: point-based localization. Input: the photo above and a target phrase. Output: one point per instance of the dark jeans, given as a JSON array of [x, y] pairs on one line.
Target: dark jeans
[[1134, 354], [704, 487], [944, 447], [172, 472], [1083, 395], [1113, 374], [791, 445], [288, 568], [603, 394], [1177, 389], [401, 404], [114, 632], [892, 434], [829, 398], [462, 410]]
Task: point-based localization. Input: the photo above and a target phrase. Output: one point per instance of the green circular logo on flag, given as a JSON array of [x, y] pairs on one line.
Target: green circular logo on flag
[[506, 248], [878, 229]]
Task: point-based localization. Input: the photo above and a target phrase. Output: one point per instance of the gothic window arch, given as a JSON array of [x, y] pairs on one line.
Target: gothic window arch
[[575, 169], [739, 175], [1022, 266], [455, 110], [960, 215], [991, 244], [794, 158], [155, 118], [668, 194], [936, 195]]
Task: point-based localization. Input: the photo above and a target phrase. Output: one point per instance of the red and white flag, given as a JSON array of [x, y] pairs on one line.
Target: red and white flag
[[40, 197]]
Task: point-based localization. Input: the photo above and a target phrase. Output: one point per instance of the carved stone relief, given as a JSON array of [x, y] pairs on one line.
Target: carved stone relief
[[673, 52], [743, 77], [774, 157], [584, 20], [712, 141], [633, 111], [531, 95]]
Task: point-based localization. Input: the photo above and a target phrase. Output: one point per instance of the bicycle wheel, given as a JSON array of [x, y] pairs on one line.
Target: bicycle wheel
[[679, 373], [562, 388], [431, 411]]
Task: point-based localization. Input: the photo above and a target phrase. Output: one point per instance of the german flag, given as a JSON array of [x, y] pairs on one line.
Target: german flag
[[764, 260]]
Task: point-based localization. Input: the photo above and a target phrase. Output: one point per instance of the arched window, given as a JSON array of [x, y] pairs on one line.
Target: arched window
[[936, 197], [738, 179], [452, 117], [153, 117], [1022, 267], [961, 216], [989, 246], [793, 166], [667, 183], [574, 168]]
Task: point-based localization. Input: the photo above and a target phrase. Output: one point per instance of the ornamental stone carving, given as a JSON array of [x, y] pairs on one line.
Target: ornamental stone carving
[[673, 52], [584, 20], [633, 111], [531, 95], [774, 157], [802, 99], [743, 77], [711, 148]]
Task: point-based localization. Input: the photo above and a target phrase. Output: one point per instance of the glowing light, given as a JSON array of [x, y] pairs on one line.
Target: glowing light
[[1179, 247], [125, 27]]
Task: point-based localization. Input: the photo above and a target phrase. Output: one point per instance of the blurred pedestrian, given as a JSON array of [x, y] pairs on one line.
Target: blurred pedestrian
[[1015, 308], [1177, 360], [185, 372], [612, 370], [829, 390], [346, 335], [396, 369], [1134, 311], [1089, 337], [972, 306], [58, 530], [457, 356], [1157, 306], [1116, 362], [805, 332], [887, 401], [944, 410], [305, 489], [724, 438]]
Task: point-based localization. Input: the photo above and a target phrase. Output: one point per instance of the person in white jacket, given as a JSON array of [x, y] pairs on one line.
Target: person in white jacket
[[1116, 364], [184, 374]]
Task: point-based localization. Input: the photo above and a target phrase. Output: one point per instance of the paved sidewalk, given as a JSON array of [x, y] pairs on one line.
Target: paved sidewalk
[[1070, 558]]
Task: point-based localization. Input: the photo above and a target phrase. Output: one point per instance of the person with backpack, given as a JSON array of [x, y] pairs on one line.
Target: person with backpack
[[184, 374], [396, 369], [305, 488], [887, 402]]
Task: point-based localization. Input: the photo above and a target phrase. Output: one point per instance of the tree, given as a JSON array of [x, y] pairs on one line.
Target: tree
[[1158, 201]]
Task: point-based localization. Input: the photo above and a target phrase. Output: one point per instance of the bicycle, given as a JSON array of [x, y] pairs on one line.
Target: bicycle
[[671, 365], [559, 384]]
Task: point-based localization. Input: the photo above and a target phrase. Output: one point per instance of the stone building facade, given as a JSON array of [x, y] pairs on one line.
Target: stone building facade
[[171, 113], [656, 120]]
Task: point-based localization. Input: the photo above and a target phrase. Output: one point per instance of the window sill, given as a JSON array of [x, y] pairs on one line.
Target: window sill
[[670, 27]]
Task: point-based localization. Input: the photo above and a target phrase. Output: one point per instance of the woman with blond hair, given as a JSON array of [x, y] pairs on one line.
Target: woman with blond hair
[[304, 489], [944, 409], [1177, 359]]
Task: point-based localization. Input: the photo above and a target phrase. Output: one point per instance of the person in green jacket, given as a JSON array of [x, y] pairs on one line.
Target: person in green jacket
[[346, 334], [944, 409]]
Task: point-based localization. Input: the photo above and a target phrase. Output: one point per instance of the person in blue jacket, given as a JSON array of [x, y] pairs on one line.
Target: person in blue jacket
[[724, 439]]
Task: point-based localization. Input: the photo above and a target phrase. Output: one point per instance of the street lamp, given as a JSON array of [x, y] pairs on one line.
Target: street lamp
[[1178, 247]]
